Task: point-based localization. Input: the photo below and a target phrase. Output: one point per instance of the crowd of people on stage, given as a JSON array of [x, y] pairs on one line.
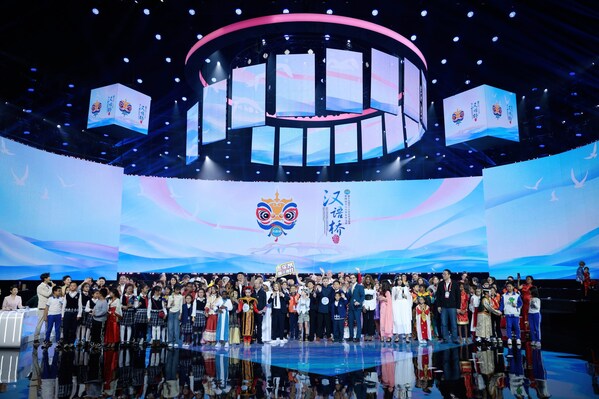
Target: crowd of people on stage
[[221, 310]]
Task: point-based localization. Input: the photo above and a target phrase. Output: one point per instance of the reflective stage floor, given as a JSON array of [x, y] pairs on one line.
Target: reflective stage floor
[[300, 370]]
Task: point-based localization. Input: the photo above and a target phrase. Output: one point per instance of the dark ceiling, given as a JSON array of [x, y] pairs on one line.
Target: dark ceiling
[[53, 53]]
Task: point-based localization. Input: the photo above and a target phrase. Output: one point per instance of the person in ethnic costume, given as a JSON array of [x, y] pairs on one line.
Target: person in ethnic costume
[[223, 306], [209, 336], [248, 305], [423, 321], [484, 327]]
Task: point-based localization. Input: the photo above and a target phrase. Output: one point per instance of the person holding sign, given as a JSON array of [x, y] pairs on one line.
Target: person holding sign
[[247, 306]]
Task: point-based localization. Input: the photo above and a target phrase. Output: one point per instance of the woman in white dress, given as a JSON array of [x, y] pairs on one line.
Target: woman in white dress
[[267, 318], [402, 309]]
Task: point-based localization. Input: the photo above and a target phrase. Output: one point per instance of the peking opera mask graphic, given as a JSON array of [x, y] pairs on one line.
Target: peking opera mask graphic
[[276, 215]]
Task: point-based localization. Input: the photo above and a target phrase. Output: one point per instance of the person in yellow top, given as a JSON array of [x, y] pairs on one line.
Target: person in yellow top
[[247, 305]]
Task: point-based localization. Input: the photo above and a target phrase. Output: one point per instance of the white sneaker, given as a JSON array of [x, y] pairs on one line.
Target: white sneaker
[[170, 345], [284, 341], [176, 345], [509, 342], [227, 345], [185, 345], [217, 346], [277, 341], [518, 342]]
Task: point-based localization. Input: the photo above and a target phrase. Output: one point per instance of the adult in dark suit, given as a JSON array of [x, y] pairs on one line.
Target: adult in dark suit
[[448, 301], [354, 307], [260, 296]]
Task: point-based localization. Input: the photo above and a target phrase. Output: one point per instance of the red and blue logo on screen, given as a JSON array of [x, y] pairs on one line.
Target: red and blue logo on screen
[[125, 107], [96, 107], [276, 215], [497, 111], [458, 116]]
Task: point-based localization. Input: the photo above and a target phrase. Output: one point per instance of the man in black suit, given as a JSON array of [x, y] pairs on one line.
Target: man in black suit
[[260, 296], [448, 301]]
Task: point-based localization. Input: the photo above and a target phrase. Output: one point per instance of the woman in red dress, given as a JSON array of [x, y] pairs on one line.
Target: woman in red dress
[[526, 297], [463, 321], [209, 335], [112, 333]]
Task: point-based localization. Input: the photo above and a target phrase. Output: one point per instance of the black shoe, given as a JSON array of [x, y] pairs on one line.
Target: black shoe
[[356, 339]]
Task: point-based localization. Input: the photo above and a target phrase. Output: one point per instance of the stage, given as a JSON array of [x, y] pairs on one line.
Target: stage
[[300, 369]]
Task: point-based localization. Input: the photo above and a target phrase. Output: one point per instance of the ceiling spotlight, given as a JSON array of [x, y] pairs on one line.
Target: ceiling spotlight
[[285, 11], [423, 13], [263, 42], [470, 14], [168, 59], [166, 167], [286, 37], [310, 51], [177, 80], [512, 14], [199, 36], [329, 11], [523, 97], [375, 12], [192, 11], [95, 11], [479, 62], [238, 11], [146, 11], [456, 39], [545, 91], [413, 37], [467, 81], [286, 52], [184, 98], [287, 172], [140, 81], [58, 126], [213, 80], [494, 39], [228, 171], [158, 36], [443, 61], [71, 85], [257, 172], [318, 172], [126, 60], [265, 55], [207, 61], [434, 81], [327, 37], [218, 63]]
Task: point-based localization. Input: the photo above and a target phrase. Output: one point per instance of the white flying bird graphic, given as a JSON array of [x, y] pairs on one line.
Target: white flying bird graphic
[[536, 186], [554, 197], [578, 184], [20, 181], [593, 154], [3, 149], [63, 184]]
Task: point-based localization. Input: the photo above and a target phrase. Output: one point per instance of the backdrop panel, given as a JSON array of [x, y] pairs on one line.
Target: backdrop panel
[[59, 215]]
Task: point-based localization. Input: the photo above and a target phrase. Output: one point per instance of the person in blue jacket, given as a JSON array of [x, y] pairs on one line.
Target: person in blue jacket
[[338, 314], [510, 306], [355, 301]]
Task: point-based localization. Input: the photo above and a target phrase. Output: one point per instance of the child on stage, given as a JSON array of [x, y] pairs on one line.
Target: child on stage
[[156, 315], [140, 325], [209, 336], [53, 316], [248, 305], [186, 320], [423, 321], [303, 313], [223, 306], [534, 317], [115, 313], [338, 314], [511, 303], [99, 312], [83, 316], [126, 323], [199, 316]]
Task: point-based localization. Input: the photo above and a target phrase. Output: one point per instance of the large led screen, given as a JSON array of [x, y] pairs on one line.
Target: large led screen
[[394, 132], [318, 146], [372, 137], [391, 226], [263, 145], [346, 143], [384, 82], [59, 215], [214, 112], [191, 147], [344, 82], [542, 215], [291, 146], [248, 96], [295, 85], [413, 131], [411, 95]]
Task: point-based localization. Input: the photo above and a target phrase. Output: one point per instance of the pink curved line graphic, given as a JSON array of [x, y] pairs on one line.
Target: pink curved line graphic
[[449, 192], [157, 190], [324, 18]]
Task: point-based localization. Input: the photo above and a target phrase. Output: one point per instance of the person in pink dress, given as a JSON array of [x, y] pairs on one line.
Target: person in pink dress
[[386, 312]]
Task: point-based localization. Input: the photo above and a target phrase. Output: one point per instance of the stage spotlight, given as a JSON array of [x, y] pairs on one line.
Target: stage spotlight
[[413, 37], [545, 91], [71, 86], [69, 105], [434, 81], [470, 14], [33, 69], [494, 39], [467, 81], [140, 81], [512, 14], [177, 80], [199, 36], [95, 11], [213, 80], [158, 36], [329, 11], [479, 62], [126, 60], [537, 107], [166, 167], [218, 63], [265, 55], [287, 172], [58, 126], [184, 98], [133, 165], [456, 39], [146, 11], [375, 12], [207, 61], [327, 37], [443, 61], [423, 13], [192, 11], [238, 11], [310, 51], [135, 150], [286, 52], [168, 59], [285, 11], [65, 144]]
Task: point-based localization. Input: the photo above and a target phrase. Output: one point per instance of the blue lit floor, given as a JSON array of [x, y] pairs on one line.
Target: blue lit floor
[[306, 370]]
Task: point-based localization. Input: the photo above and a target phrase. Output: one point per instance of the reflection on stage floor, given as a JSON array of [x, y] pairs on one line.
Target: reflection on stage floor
[[299, 370]]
